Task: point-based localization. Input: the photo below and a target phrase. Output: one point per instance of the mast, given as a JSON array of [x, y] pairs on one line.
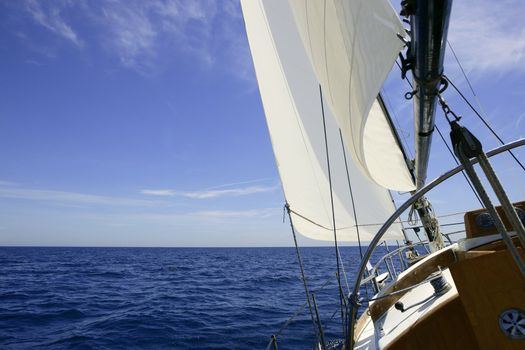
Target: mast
[[425, 55], [428, 26]]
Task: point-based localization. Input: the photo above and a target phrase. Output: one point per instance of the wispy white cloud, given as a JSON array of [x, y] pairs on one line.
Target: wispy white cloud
[[230, 192], [70, 197], [211, 193], [140, 32], [150, 36], [130, 35], [518, 121], [239, 183], [488, 36], [162, 193], [259, 213], [177, 219], [51, 18], [200, 218]]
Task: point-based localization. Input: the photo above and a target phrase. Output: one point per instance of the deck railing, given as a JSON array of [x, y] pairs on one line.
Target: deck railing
[[354, 298], [394, 261]]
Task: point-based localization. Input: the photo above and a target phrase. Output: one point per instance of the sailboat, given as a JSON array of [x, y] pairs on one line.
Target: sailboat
[[320, 67]]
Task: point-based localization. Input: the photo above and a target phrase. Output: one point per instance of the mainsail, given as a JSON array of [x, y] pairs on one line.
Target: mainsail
[[291, 98]]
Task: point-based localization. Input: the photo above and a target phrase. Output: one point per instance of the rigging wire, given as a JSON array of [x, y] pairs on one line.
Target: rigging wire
[[478, 103], [465, 75], [294, 315], [351, 196], [301, 266], [344, 273], [446, 144], [485, 122], [341, 296], [457, 163], [353, 206]]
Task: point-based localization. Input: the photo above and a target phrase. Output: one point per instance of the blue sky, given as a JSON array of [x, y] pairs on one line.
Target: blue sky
[[139, 122]]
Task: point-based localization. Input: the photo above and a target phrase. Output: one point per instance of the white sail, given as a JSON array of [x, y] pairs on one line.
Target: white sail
[[291, 99], [352, 46]]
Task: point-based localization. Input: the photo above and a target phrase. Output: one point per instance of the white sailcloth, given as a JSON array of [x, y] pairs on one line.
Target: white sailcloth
[[352, 46], [291, 99]]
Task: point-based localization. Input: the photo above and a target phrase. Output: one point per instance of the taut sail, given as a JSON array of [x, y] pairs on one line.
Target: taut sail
[[352, 46], [291, 98]]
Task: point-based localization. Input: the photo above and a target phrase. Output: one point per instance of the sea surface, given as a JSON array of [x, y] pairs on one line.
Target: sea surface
[[165, 298]]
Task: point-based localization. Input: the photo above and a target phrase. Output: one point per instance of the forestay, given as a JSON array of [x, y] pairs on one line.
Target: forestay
[[352, 46], [291, 100]]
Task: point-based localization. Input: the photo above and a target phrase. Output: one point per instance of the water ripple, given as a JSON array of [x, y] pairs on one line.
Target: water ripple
[[160, 298]]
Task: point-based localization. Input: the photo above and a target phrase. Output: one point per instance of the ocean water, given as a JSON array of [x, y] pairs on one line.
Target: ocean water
[[164, 298]]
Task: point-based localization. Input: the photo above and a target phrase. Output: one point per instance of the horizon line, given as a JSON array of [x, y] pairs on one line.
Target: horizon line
[[173, 247]]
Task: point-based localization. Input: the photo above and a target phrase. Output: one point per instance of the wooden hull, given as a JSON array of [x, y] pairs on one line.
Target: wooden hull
[[485, 282]]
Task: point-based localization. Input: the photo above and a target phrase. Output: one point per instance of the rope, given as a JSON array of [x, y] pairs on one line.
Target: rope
[[341, 296], [295, 314], [411, 220], [344, 272], [366, 225], [351, 195], [426, 280], [299, 309], [272, 340], [330, 319], [434, 223], [353, 207], [310, 220], [485, 122], [457, 163], [301, 266], [479, 104]]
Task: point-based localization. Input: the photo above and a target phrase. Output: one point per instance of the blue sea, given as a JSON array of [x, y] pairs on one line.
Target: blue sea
[[165, 298]]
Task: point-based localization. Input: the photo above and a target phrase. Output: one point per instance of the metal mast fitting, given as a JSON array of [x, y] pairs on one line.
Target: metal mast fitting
[[430, 223], [426, 51], [424, 58]]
